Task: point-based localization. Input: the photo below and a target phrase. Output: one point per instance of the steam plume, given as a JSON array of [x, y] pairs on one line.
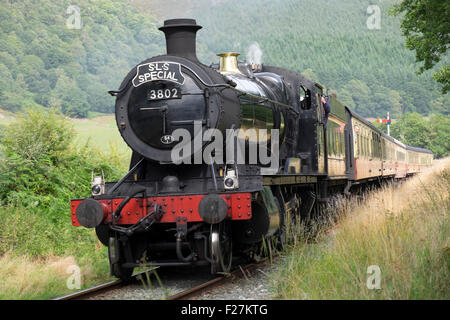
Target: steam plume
[[254, 54]]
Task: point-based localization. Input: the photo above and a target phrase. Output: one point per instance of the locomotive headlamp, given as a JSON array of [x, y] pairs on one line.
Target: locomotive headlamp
[[231, 179], [229, 183], [96, 190], [98, 184]]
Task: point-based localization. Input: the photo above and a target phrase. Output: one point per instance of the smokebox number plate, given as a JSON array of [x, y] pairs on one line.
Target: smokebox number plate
[[163, 94]]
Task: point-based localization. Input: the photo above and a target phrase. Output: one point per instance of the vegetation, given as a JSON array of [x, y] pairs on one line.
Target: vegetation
[[43, 62], [426, 27], [415, 130], [403, 231], [41, 170], [329, 41]]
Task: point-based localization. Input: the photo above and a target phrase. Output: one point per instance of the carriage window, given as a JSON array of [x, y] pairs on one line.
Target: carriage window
[[358, 145], [366, 149]]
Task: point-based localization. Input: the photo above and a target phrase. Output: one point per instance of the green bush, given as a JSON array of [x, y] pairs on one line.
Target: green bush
[[40, 164], [40, 172]]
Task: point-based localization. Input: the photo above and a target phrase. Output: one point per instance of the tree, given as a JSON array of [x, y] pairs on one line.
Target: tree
[[413, 129], [443, 76], [309, 74], [44, 63], [360, 93], [346, 98], [395, 100], [441, 105], [5, 81], [426, 26], [440, 131]]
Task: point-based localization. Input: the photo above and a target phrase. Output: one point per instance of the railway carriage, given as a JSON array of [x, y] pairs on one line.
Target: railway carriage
[[389, 156], [180, 205], [335, 131], [417, 159], [368, 153]]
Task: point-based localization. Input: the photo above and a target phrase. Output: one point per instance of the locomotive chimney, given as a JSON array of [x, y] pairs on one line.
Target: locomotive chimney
[[181, 37]]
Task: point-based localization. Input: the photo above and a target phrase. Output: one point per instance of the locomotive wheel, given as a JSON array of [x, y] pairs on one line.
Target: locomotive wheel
[[103, 232], [115, 255], [120, 272], [221, 248]]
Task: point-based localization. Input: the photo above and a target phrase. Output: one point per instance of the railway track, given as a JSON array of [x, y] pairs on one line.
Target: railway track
[[103, 289], [240, 272], [95, 290]]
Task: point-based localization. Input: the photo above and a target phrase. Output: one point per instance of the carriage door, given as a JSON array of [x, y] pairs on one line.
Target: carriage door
[[321, 136]]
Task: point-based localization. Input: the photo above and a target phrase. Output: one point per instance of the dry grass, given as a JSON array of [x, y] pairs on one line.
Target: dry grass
[[26, 278], [404, 230]]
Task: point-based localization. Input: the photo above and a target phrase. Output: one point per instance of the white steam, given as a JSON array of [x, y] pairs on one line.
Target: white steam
[[254, 54]]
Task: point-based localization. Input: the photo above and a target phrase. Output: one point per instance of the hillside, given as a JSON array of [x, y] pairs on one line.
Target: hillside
[[44, 62], [328, 41]]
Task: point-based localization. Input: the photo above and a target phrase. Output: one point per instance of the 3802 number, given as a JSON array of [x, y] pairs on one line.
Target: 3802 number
[[160, 94]]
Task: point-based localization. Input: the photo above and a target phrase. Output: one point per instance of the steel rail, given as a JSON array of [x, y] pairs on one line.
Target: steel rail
[[239, 272], [93, 290], [101, 288]]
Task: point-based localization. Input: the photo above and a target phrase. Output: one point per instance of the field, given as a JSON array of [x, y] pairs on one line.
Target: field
[[100, 132], [392, 244]]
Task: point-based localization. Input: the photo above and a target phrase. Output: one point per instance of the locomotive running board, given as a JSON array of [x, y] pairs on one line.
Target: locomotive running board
[[175, 263], [292, 179]]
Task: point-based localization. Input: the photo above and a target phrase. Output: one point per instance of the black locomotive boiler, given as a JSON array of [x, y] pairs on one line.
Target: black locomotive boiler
[[190, 211]]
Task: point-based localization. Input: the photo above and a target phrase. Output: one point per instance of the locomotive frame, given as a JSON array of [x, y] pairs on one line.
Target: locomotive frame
[[167, 214]]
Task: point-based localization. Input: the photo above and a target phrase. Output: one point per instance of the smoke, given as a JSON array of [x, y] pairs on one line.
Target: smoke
[[254, 54]]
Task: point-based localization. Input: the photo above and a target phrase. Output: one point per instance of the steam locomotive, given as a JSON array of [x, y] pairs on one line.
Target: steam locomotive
[[182, 206]]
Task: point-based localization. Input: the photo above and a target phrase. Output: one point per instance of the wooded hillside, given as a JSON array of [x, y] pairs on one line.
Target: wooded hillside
[[43, 61], [330, 42]]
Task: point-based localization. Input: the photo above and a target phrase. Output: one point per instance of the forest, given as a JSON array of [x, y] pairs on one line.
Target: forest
[[331, 42], [45, 62]]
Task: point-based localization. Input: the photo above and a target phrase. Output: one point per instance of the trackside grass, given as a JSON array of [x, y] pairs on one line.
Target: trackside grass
[[41, 169], [397, 235]]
